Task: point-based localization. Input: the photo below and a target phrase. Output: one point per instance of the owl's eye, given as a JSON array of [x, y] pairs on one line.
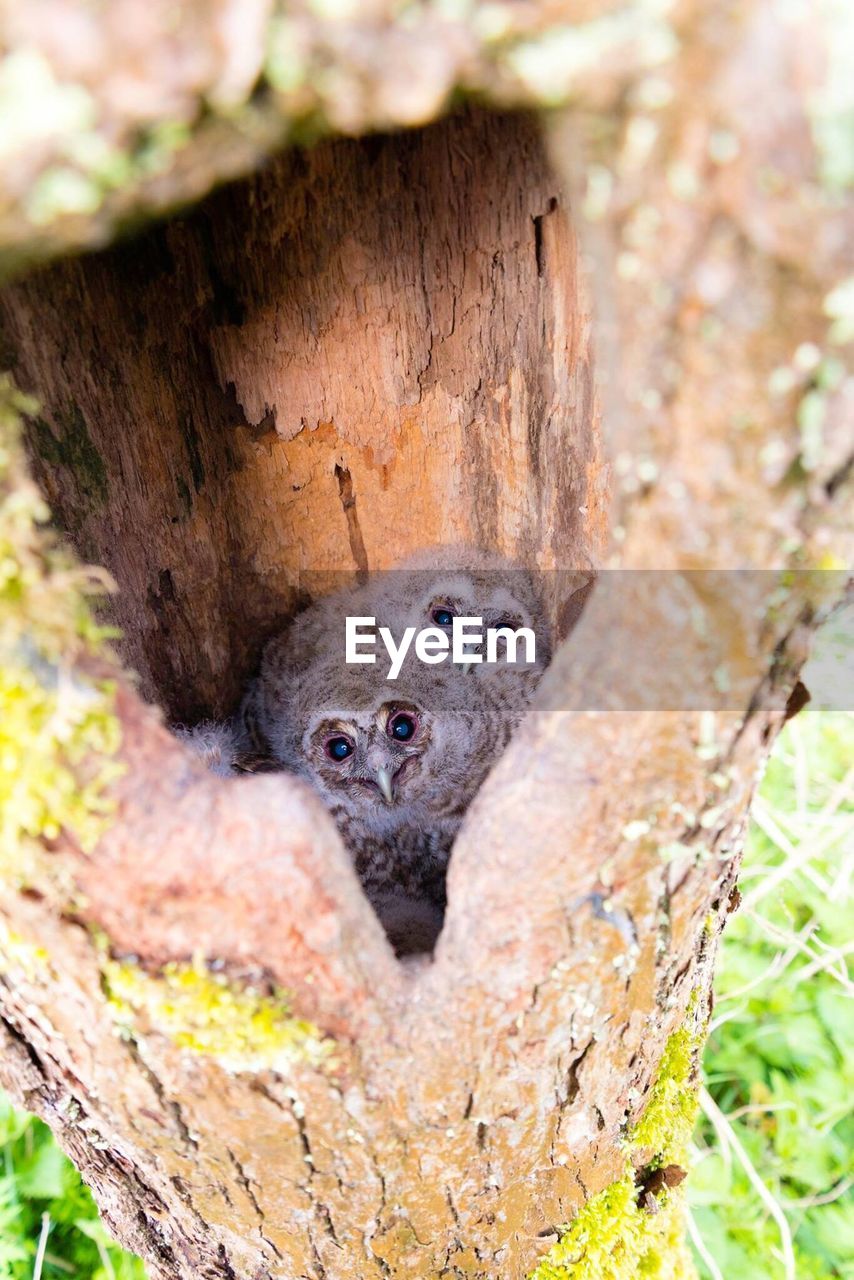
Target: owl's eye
[[402, 727], [442, 617], [339, 748]]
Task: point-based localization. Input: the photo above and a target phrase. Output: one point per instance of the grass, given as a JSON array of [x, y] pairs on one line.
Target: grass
[[49, 1226], [771, 1187]]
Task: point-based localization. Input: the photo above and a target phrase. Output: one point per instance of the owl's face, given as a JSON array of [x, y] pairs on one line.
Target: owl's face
[[377, 757], [371, 755], [460, 595], [501, 599]]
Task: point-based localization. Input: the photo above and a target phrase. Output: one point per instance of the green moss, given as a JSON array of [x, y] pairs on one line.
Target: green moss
[[615, 1236], [51, 729], [62, 191], [668, 1120], [35, 105], [98, 168], [184, 494], [75, 450], [197, 467], [241, 1028], [550, 64], [612, 1238], [57, 729]]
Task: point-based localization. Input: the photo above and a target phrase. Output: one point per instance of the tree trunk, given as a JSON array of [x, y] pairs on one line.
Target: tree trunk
[[369, 347]]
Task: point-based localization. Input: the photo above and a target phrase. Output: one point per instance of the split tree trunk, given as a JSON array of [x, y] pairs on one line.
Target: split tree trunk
[[367, 348]]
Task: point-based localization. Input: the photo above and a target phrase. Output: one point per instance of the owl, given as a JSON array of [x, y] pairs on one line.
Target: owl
[[504, 598], [223, 747], [396, 762]]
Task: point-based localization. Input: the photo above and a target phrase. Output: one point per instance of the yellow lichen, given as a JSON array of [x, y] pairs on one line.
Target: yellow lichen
[[668, 1120], [239, 1027], [615, 1236], [57, 728], [612, 1238], [17, 954]]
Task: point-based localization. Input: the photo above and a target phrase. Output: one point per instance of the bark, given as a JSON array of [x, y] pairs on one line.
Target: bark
[[144, 107], [446, 1118]]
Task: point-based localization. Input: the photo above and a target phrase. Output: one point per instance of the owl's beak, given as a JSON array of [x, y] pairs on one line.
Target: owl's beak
[[466, 667], [384, 781]]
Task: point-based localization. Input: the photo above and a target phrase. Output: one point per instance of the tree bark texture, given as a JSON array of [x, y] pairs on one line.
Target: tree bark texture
[[140, 108], [366, 348]]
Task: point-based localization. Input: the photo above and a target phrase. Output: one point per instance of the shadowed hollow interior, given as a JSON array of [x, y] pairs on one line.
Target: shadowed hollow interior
[[369, 347]]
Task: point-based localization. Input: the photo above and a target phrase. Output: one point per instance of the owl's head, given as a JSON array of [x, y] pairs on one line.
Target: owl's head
[[372, 753], [503, 599], [377, 756]]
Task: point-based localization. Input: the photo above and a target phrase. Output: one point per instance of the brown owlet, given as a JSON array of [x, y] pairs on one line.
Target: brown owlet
[[397, 761]]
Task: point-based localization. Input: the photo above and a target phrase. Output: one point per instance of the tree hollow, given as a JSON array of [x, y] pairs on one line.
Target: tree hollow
[[370, 347]]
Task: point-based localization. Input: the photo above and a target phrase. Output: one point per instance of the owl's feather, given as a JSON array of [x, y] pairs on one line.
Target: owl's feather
[[398, 804]]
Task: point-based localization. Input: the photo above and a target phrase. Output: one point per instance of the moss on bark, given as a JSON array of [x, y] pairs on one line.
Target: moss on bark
[[241, 1028], [627, 1231], [215, 91], [58, 731]]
